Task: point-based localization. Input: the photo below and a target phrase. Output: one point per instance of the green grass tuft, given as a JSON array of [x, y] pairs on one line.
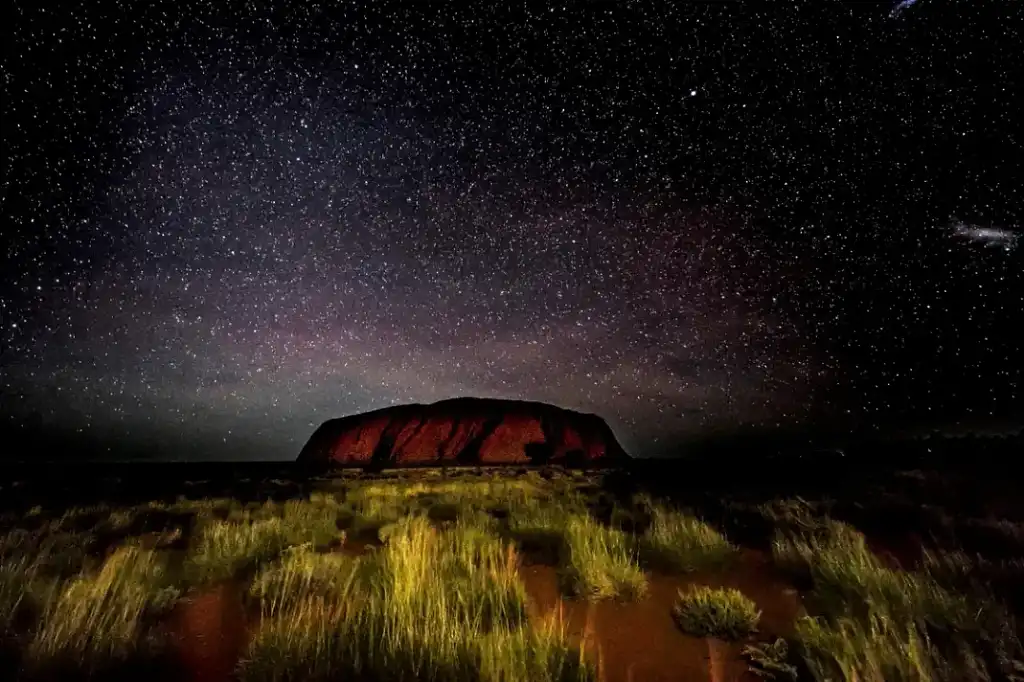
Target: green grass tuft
[[600, 562], [877, 623], [431, 604], [101, 616], [33, 565], [301, 573], [878, 650], [725, 613], [250, 537], [683, 543]]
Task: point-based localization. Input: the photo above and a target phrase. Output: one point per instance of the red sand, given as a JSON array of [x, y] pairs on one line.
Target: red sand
[[210, 630], [640, 642]]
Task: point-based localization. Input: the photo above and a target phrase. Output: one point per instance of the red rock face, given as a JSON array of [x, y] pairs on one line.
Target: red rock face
[[464, 431]]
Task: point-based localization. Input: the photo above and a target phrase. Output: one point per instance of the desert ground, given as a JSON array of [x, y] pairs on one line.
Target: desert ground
[[511, 574]]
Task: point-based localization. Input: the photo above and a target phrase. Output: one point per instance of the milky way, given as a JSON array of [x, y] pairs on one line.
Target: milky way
[[232, 225]]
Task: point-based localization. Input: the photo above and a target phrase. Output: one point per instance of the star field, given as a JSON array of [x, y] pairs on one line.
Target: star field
[[230, 223]]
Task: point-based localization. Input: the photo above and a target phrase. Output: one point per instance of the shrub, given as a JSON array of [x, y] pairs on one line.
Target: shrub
[[770, 661], [725, 613]]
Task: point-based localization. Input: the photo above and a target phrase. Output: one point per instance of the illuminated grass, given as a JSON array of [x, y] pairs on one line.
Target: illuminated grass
[[539, 530], [879, 650], [225, 548], [478, 571], [683, 543], [723, 613], [848, 578], [21, 567], [301, 574], [600, 562], [380, 503], [33, 564], [440, 605], [876, 623], [101, 616]]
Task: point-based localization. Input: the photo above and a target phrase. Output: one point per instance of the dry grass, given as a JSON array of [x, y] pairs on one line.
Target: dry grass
[[33, 567], [848, 577]]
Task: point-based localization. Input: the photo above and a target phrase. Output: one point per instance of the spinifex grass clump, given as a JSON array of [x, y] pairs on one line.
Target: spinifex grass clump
[[849, 579], [22, 558], [479, 572], [724, 613], [378, 504], [796, 515], [300, 574], [223, 548], [437, 605], [32, 566], [302, 641], [876, 623], [101, 616], [679, 542], [876, 650], [539, 529], [381, 503], [600, 562]]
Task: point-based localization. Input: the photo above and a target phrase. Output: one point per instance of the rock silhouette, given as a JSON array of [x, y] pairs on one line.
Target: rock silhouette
[[464, 431]]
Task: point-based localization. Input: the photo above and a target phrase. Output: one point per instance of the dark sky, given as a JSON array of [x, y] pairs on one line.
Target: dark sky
[[223, 223]]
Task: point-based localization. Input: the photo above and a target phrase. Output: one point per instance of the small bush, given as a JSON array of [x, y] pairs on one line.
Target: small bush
[[724, 613]]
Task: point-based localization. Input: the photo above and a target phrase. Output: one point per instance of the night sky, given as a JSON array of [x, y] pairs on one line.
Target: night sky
[[224, 223]]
